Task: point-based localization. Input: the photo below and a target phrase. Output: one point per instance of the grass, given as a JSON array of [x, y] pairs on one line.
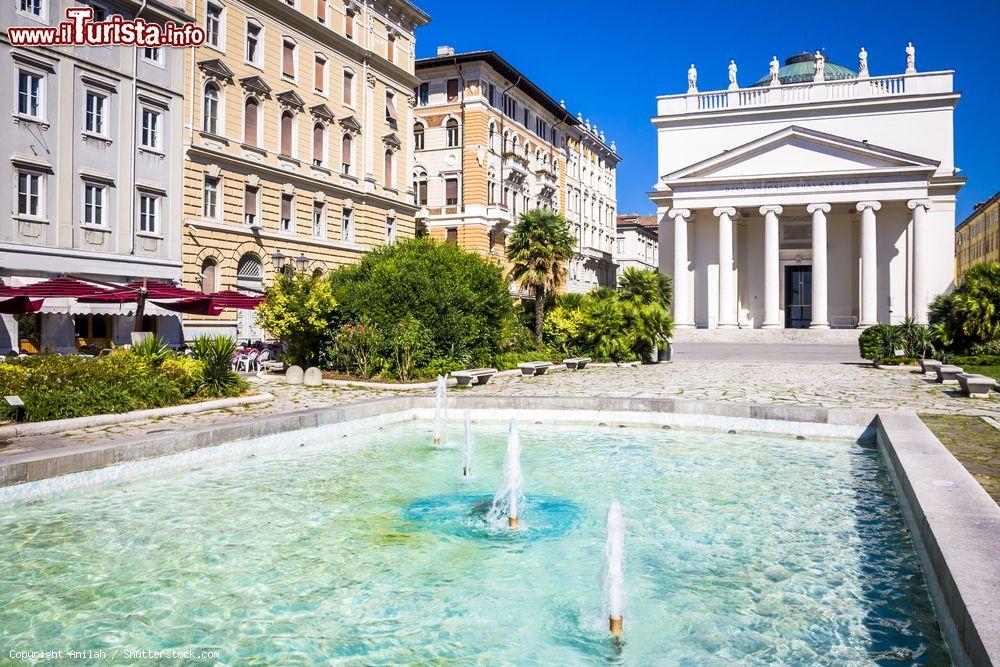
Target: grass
[[974, 442], [992, 371]]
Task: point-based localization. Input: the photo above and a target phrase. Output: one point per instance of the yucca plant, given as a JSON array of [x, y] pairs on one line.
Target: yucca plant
[[153, 349], [889, 340], [216, 354]]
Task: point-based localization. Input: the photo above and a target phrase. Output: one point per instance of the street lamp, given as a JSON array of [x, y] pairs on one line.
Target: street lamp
[[302, 262], [278, 258]]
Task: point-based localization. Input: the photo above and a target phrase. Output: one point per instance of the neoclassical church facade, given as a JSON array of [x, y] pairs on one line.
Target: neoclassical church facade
[[819, 196]]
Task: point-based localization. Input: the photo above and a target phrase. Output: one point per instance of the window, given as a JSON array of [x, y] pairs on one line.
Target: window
[[207, 280], [451, 235], [210, 112], [287, 132], [29, 194], [149, 213], [150, 135], [349, 24], [391, 118], [29, 94], [286, 213], [288, 67], [526, 116], [31, 7], [390, 49], [509, 106], [319, 74], [321, 11], [451, 192], [253, 43], [492, 189], [420, 188], [452, 90], [319, 220], [541, 128], [250, 196], [418, 136], [390, 229], [346, 228], [94, 116], [388, 169], [319, 143], [213, 25], [423, 94], [93, 204], [346, 149], [210, 198], [452, 129], [100, 12], [250, 109], [348, 87], [153, 54], [491, 94]]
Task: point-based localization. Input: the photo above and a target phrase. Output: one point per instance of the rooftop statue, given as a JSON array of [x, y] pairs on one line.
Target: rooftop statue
[[911, 56], [863, 64], [819, 65], [775, 67], [692, 79], [732, 75]]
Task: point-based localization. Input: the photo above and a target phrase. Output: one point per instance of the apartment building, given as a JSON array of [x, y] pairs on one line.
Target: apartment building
[[298, 141], [637, 242], [977, 238], [490, 144], [92, 172]]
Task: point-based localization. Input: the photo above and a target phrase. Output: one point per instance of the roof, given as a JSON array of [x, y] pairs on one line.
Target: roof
[[978, 209], [509, 72], [799, 69], [635, 220]]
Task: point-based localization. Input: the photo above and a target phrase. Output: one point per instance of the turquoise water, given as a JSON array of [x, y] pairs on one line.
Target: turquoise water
[[741, 549]]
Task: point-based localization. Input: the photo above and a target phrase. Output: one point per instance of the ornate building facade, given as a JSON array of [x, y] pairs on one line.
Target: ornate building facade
[[977, 238], [490, 145], [298, 141]]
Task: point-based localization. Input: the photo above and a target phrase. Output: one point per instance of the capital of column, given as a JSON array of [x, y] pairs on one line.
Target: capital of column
[[679, 213], [812, 208], [914, 203], [724, 210], [873, 205], [776, 209]]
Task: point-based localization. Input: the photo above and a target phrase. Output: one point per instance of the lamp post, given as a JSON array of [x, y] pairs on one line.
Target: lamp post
[[279, 259], [302, 262]]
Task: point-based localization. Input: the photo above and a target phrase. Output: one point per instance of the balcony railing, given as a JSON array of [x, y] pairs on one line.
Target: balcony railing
[[515, 166], [802, 93]]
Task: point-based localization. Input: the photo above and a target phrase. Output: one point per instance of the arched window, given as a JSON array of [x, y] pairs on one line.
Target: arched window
[[287, 125], [346, 150], [389, 169], [418, 136], [208, 279], [492, 187], [210, 110], [420, 187], [250, 274], [452, 128], [250, 109], [506, 139], [492, 138], [319, 144]]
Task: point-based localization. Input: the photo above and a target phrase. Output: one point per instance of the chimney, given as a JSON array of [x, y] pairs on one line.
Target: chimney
[[446, 51]]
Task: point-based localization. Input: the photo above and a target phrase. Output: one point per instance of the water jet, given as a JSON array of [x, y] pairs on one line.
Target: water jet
[[467, 449], [613, 572], [440, 406], [509, 498]]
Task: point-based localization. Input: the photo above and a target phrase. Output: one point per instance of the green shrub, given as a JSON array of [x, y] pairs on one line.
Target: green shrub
[[440, 366], [990, 347], [185, 372], [408, 344], [977, 360], [870, 341], [971, 313], [510, 360], [218, 379], [300, 310], [358, 349], [459, 298], [153, 349]]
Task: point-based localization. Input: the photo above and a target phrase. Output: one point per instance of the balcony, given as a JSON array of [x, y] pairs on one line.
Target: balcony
[[547, 182], [515, 167], [924, 83]]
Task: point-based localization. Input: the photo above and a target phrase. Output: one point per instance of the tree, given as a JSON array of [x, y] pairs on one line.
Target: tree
[[970, 314], [300, 310], [640, 286], [538, 251]]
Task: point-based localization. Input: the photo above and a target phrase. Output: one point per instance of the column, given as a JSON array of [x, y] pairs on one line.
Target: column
[[727, 295], [772, 311], [681, 298], [819, 266], [869, 263], [918, 299]]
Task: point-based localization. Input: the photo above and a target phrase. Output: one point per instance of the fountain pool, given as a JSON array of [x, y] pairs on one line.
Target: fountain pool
[[375, 549]]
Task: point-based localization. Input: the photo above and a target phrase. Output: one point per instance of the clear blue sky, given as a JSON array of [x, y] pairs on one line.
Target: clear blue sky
[[610, 60]]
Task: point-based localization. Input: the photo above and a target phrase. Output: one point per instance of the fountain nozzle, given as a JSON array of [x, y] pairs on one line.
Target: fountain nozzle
[[437, 442], [465, 472], [512, 522], [615, 625]]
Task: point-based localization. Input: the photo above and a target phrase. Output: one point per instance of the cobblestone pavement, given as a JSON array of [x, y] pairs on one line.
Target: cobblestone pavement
[[814, 384]]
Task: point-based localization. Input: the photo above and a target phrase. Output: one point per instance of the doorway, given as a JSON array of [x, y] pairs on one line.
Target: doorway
[[798, 297]]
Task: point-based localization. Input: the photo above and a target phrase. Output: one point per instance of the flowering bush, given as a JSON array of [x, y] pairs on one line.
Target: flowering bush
[[356, 348], [408, 343]]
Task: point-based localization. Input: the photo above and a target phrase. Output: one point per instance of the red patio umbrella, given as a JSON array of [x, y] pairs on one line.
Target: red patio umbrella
[[131, 292], [233, 299], [202, 305], [19, 305], [60, 287]]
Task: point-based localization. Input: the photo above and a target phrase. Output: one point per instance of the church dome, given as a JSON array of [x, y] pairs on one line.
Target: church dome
[[799, 69]]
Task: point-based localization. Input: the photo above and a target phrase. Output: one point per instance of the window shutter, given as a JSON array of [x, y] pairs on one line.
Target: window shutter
[[452, 90], [318, 143], [318, 74], [345, 149], [390, 107], [250, 201], [321, 11], [451, 188], [348, 80], [286, 207], [250, 123], [349, 25], [388, 169], [288, 60], [286, 134]]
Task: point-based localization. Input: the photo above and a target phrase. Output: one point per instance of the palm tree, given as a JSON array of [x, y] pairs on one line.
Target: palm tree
[[640, 286], [538, 251]]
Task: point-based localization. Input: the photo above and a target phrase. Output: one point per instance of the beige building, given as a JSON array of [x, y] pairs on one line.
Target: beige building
[[637, 243], [977, 238], [490, 144], [297, 144]]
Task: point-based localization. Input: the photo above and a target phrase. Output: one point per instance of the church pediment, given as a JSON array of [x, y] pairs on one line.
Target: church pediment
[[799, 152]]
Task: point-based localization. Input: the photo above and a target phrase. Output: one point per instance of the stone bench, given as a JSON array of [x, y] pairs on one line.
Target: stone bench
[[948, 374], [929, 365], [976, 386], [534, 367], [474, 375], [577, 363]]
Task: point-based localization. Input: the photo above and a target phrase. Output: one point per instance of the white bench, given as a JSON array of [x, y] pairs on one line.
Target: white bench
[[948, 374], [976, 386], [929, 365], [474, 375], [577, 363], [534, 367]]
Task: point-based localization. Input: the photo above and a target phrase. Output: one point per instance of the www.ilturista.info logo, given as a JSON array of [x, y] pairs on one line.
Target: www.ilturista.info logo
[[80, 30]]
